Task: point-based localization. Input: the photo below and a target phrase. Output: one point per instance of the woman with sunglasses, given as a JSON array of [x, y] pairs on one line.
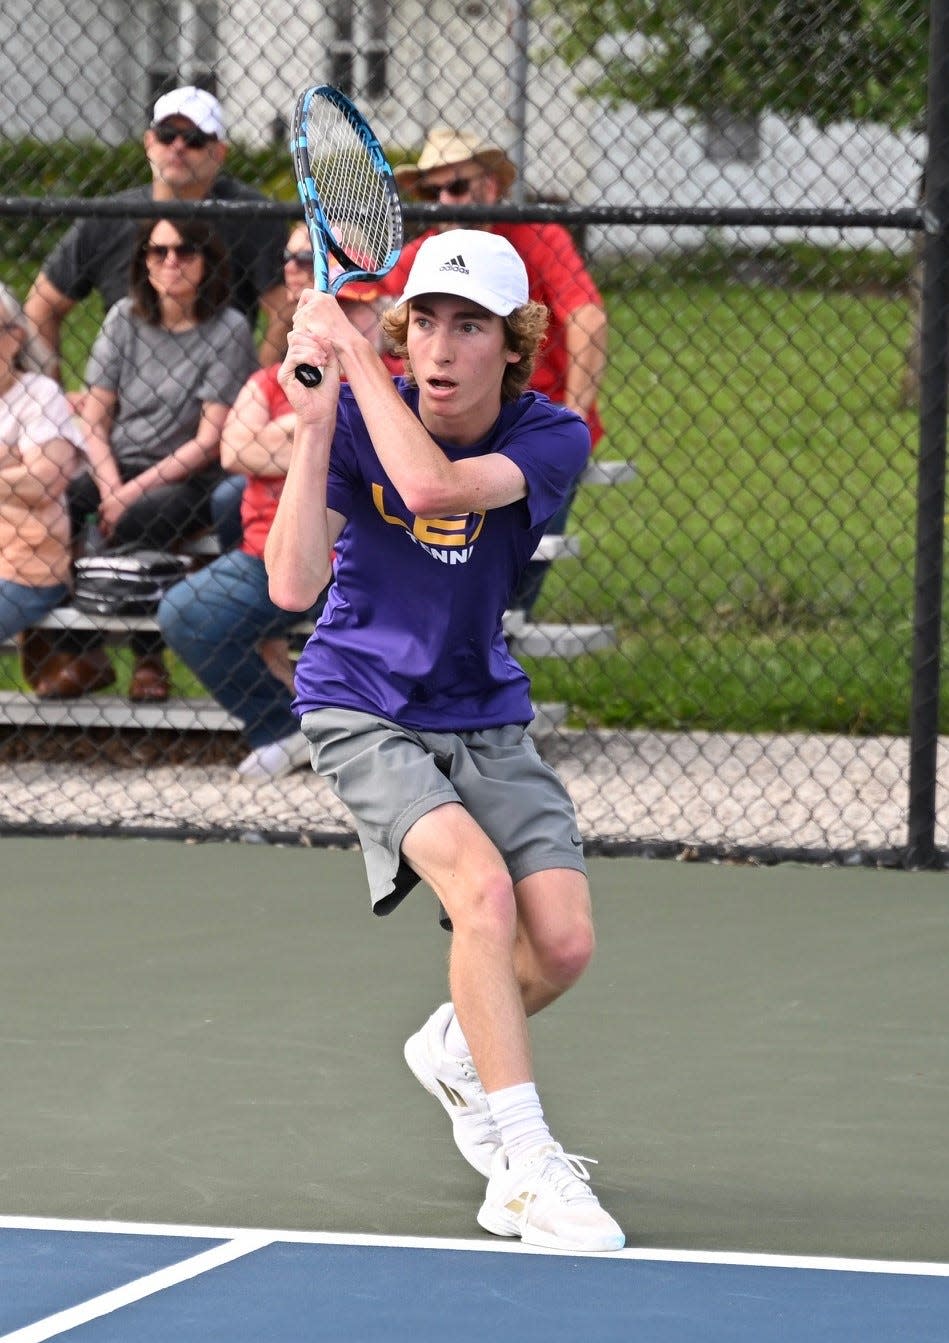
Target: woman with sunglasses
[[163, 373]]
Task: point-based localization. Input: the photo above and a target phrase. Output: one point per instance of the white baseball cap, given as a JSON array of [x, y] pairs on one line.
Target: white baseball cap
[[471, 264], [196, 104]]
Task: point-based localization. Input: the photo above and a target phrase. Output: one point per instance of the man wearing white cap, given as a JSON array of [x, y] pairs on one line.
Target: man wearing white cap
[[186, 147], [433, 490]]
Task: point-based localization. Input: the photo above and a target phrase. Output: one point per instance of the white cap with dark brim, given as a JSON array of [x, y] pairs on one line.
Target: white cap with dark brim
[[472, 264]]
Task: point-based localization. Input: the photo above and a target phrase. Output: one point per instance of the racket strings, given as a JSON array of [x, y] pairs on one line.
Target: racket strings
[[355, 198]]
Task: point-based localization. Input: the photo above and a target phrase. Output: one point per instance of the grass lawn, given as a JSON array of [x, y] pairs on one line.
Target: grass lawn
[[759, 571]]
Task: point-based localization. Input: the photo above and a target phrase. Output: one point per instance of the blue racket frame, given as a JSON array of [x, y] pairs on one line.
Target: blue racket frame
[[321, 236]]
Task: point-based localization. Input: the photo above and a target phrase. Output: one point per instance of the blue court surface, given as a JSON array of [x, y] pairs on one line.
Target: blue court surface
[[102, 1282]]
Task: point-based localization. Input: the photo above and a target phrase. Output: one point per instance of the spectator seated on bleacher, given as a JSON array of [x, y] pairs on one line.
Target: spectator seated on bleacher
[[165, 369], [38, 455], [363, 303], [220, 621]]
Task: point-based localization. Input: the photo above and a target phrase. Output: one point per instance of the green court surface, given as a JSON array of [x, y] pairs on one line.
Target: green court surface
[[212, 1035]]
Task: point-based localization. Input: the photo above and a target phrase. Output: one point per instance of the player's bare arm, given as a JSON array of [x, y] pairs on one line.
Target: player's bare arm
[[299, 547], [298, 551]]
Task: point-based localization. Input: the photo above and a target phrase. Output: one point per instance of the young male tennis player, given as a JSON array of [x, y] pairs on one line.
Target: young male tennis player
[[433, 491]]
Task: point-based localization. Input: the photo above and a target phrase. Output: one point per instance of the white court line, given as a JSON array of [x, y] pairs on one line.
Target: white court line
[[825, 1263], [108, 1302]]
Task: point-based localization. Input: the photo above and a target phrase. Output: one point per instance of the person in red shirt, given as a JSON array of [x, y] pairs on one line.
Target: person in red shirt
[[458, 168]]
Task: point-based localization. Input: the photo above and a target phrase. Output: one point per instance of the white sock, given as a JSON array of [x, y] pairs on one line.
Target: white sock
[[520, 1119], [455, 1043]]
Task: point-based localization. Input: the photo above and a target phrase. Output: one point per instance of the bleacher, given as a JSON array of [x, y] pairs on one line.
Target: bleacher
[[193, 714]]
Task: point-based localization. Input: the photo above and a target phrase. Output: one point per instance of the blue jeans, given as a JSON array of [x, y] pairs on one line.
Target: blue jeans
[[226, 511], [214, 620], [22, 606]]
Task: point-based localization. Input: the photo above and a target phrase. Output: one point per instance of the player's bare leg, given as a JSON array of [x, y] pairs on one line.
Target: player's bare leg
[[467, 873], [555, 938], [536, 1191]]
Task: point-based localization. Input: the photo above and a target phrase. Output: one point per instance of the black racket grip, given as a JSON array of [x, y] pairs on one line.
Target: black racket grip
[[309, 375]]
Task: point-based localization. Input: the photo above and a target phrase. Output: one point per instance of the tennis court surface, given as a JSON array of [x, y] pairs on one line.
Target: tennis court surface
[[209, 1132]]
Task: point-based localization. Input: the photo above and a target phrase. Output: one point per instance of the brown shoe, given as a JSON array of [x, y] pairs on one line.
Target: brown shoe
[[36, 650], [67, 675], [150, 681]]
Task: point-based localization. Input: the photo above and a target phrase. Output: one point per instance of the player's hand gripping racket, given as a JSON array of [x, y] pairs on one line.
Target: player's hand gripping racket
[[350, 199]]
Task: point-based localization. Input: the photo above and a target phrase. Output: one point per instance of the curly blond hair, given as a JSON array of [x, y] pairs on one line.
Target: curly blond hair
[[524, 330]]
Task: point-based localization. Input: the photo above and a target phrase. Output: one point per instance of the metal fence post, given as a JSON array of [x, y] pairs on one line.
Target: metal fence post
[[927, 625]]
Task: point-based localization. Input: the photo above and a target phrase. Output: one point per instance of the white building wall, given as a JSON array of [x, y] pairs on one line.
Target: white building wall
[[270, 50], [69, 70], [657, 159], [445, 68], [80, 68]]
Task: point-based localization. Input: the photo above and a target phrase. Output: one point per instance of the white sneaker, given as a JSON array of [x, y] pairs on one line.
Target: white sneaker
[[275, 759], [454, 1082], [547, 1200]]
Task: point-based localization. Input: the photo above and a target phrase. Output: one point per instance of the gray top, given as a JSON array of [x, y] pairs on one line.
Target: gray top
[[164, 378]]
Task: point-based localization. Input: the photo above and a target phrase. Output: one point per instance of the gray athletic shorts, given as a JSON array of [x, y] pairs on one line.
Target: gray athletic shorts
[[389, 776]]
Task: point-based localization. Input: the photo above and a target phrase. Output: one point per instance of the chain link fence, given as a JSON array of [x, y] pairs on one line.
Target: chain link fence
[[735, 647]]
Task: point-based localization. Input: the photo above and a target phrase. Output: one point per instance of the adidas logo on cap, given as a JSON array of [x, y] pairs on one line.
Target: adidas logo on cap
[[485, 270]]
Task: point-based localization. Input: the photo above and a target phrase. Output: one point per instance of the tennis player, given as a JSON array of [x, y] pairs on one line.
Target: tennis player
[[433, 491]]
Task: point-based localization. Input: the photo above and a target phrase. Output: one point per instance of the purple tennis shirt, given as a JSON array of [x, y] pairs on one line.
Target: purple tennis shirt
[[411, 630]]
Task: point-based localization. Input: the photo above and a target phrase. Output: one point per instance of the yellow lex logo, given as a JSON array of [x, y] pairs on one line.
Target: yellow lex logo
[[459, 529]]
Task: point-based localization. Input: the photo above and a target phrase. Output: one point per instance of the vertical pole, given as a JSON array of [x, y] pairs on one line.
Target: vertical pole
[[518, 113], [931, 485]]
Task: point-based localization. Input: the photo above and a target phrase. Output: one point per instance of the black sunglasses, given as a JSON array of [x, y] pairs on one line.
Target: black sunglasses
[[456, 188], [299, 258], [191, 138], [160, 251]]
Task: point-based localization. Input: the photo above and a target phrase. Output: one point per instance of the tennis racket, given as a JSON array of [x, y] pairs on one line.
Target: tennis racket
[[347, 188]]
